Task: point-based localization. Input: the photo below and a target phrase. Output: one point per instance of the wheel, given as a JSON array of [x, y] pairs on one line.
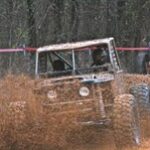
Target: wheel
[[126, 121], [141, 93]]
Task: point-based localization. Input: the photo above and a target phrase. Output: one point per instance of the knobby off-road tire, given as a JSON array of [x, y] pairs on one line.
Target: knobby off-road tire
[[142, 95], [126, 121]]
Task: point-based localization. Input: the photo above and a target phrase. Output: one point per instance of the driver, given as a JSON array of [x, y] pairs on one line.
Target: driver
[[99, 57]]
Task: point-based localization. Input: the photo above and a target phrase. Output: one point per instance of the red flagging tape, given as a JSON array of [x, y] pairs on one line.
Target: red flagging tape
[[133, 48], [31, 49]]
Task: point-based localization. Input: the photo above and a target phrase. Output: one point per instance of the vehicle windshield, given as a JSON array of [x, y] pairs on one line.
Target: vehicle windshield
[[72, 62]]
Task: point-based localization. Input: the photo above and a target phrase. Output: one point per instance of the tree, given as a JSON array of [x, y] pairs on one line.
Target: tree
[[31, 23]]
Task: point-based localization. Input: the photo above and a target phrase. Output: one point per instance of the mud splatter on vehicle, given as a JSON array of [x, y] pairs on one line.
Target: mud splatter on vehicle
[[100, 95]]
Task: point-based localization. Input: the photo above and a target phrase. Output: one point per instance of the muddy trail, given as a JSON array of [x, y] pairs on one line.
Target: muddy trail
[[104, 141], [24, 125]]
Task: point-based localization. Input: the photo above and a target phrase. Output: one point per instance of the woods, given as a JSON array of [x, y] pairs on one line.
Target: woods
[[36, 23]]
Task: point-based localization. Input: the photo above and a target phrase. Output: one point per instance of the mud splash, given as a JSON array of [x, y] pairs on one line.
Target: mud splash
[[27, 127]]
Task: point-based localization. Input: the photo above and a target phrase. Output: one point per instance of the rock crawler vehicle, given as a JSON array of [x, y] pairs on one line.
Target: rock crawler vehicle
[[70, 77]]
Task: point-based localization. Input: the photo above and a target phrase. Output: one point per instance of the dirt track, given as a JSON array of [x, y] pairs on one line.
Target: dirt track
[[104, 141], [90, 140]]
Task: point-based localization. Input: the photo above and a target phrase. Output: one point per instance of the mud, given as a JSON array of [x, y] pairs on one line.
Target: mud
[[37, 130]]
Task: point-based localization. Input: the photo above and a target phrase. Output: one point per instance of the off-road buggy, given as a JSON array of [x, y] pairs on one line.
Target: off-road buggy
[[87, 77]]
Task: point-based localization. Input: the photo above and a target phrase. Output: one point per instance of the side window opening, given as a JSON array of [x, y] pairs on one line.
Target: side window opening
[[53, 63], [93, 57]]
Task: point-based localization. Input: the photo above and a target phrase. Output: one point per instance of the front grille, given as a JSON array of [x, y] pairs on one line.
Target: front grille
[[65, 92], [68, 99]]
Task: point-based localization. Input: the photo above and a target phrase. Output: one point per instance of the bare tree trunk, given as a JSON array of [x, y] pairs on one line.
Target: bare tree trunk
[[58, 14], [108, 18], [74, 24], [31, 24], [31, 34]]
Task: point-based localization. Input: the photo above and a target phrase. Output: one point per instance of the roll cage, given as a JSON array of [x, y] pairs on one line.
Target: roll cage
[[71, 54]]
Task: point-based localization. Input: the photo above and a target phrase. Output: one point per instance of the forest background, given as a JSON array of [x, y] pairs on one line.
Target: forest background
[[34, 23]]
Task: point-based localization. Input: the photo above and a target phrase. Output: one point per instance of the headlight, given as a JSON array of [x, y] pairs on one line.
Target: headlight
[[52, 94], [84, 91]]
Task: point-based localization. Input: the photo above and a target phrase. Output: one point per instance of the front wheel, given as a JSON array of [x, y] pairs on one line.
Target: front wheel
[[126, 121]]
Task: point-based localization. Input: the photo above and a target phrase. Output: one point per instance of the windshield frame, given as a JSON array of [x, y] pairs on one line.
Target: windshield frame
[[74, 69]]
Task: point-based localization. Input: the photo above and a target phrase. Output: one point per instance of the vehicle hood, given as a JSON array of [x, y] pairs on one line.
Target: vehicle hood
[[86, 78]]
